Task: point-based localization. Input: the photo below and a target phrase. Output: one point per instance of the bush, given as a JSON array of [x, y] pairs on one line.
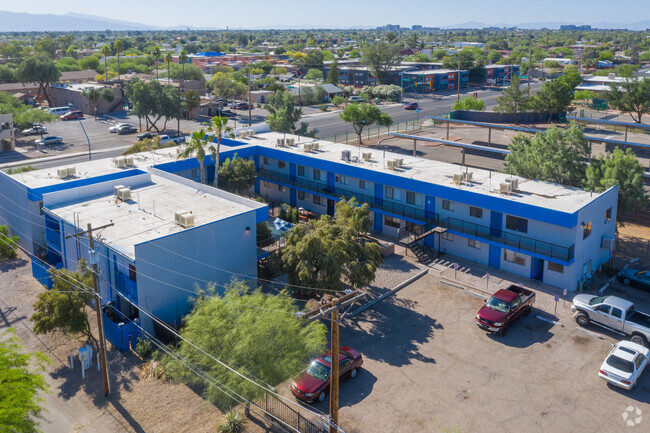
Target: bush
[[337, 100], [323, 107], [144, 348], [233, 423], [147, 145], [7, 243], [20, 169]]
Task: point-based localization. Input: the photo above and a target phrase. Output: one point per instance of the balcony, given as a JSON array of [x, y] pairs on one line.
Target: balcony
[[512, 240]]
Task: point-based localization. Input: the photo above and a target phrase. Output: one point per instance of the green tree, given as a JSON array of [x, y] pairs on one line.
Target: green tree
[[191, 100], [283, 114], [218, 125], [24, 115], [631, 96], [224, 85], [94, 95], [333, 74], [196, 148], [314, 74], [380, 57], [323, 252], [63, 307], [237, 174], [40, 69], [182, 59], [555, 156], [338, 100], [152, 101], [168, 59], [46, 45], [513, 99], [246, 328], [20, 404], [494, 56], [469, 103], [571, 78], [582, 95], [555, 97], [105, 52], [7, 243], [155, 55], [362, 115], [319, 95], [622, 169], [119, 47]]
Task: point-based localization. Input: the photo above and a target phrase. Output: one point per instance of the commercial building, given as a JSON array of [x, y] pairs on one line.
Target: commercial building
[[427, 81], [7, 137], [72, 95], [499, 74]]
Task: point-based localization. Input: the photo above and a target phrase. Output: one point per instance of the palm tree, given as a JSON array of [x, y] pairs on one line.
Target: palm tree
[[119, 46], [219, 126], [155, 53], [168, 60], [182, 58], [196, 148], [105, 51]]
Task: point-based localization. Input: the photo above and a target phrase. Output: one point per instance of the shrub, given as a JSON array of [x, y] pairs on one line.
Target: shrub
[[337, 100], [323, 107], [20, 169], [7, 243], [233, 422], [144, 348]]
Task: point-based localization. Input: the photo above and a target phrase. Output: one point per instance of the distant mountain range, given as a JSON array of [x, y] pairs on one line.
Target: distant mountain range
[[26, 22]]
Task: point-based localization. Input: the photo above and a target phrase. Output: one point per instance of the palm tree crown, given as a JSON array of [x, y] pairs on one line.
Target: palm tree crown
[[196, 148], [218, 124]]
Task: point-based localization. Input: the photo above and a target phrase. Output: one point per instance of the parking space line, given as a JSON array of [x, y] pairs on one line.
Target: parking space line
[[593, 334], [548, 320]]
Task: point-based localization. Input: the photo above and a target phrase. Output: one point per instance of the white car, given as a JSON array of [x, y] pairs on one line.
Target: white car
[[116, 128], [624, 364], [49, 139]]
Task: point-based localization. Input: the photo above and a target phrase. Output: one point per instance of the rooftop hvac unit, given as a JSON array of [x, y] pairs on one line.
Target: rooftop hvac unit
[[116, 188], [72, 171], [458, 178], [505, 188], [280, 142], [607, 243], [306, 147], [124, 194], [399, 162], [390, 165], [611, 75], [120, 161], [178, 214], [291, 141], [251, 132], [129, 161], [514, 182], [186, 220], [314, 146], [242, 134], [468, 176], [345, 155], [366, 156], [62, 172]]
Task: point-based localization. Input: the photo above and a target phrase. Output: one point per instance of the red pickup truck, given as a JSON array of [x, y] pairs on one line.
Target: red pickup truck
[[504, 308]]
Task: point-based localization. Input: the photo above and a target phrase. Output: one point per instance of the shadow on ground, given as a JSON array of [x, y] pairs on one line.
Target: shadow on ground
[[527, 331]]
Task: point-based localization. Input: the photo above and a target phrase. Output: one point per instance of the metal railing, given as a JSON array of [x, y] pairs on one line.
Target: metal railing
[[286, 414], [379, 131]]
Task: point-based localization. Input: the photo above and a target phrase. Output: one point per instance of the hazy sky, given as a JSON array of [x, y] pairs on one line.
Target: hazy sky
[[343, 13]]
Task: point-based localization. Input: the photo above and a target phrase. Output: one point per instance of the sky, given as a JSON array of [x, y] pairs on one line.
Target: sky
[[253, 14]]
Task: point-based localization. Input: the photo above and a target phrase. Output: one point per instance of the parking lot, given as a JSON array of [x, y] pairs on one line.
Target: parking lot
[[428, 367]]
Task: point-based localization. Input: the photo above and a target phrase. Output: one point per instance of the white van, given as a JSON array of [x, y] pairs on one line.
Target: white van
[[59, 110]]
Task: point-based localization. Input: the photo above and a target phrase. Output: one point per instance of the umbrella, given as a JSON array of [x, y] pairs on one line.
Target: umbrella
[[282, 225]]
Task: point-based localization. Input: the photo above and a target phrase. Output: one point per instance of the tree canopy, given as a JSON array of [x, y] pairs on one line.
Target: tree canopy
[[237, 174], [380, 57], [24, 115], [469, 103], [631, 96], [40, 69], [7, 243], [283, 114], [257, 334], [20, 404], [555, 97], [327, 251], [152, 101], [513, 99], [362, 115], [556, 156]]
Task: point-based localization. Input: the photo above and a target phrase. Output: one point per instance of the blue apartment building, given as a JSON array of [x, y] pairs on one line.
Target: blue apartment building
[[499, 74], [431, 80]]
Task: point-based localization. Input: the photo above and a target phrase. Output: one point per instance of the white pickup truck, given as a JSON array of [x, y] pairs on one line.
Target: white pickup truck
[[164, 139], [613, 313]]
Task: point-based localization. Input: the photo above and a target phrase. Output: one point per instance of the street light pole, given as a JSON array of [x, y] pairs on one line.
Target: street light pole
[[458, 95]]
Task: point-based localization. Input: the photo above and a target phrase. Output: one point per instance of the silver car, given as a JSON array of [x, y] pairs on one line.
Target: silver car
[[49, 139], [116, 128]]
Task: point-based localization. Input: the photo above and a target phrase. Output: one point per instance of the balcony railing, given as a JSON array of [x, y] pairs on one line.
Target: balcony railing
[[513, 240], [507, 239]]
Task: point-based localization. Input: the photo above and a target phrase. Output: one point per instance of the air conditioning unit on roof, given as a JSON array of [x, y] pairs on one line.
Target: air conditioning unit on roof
[[345, 155], [128, 161], [306, 147], [468, 176], [291, 141], [366, 156], [62, 173], [314, 146], [119, 162], [458, 178], [514, 182], [505, 188], [186, 220], [116, 188], [124, 194], [72, 171], [178, 214], [390, 165]]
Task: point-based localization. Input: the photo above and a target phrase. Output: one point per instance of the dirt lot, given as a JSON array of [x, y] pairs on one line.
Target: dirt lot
[[76, 405], [428, 367]]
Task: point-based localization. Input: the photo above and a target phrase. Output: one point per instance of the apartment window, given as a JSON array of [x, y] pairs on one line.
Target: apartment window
[[316, 199], [475, 212], [514, 257], [586, 231], [281, 165], [266, 184], [516, 224], [343, 180], [410, 197], [316, 174], [301, 170], [280, 188], [391, 222], [40, 207], [131, 272], [266, 161], [447, 236], [473, 244], [195, 172], [390, 192], [363, 184], [301, 195], [448, 205], [608, 215], [555, 267]]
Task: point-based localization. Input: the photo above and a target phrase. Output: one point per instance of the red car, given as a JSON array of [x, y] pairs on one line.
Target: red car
[[411, 106], [314, 382], [72, 115], [504, 308], [240, 106]]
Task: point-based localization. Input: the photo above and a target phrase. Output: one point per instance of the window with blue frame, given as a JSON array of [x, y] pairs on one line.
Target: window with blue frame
[[516, 224]]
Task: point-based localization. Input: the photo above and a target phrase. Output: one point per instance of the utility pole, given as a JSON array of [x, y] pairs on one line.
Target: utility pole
[[98, 306], [458, 96], [332, 308], [250, 122], [530, 68], [299, 101]]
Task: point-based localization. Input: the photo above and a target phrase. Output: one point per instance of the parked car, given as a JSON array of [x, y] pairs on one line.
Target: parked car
[[411, 106], [354, 99], [613, 313], [145, 135], [313, 383], [72, 115], [49, 139], [635, 277], [239, 106], [115, 128], [35, 130], [164, 139], [127, 129], [227, 113], [624, 364], [504, 308]]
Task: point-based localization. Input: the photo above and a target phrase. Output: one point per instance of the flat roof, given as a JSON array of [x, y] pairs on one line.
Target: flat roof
[[79, 87], [532, 192], [150, 214], [434, 71]]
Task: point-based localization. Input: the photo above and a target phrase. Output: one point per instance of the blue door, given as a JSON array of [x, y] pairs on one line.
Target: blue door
[[494, 258], [537, 269]]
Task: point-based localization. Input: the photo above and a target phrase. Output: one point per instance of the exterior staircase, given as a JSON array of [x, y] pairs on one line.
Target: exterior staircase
[[423, 253]]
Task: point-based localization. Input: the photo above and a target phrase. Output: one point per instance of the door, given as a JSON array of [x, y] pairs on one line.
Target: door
[[601, 314], [537, 269]]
